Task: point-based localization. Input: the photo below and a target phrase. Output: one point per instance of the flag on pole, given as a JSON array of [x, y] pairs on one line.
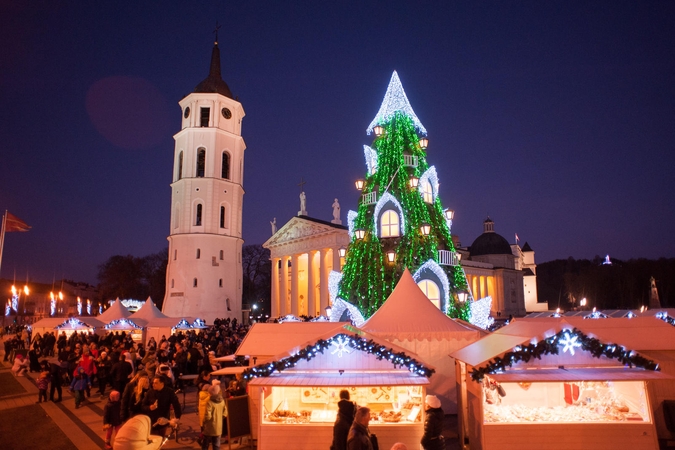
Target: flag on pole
[[13, 223], [517, 238]]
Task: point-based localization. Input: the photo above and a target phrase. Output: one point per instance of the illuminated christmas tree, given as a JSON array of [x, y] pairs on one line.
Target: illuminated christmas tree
[[400, 221]]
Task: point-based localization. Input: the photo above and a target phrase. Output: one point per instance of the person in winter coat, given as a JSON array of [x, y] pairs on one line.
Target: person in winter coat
[[103, 366], [213, 419], [343, 422], [359, 434], [42, 384], [20, 366], [112, 420], [56, 377], [433, 424], [89, 365], [134, 394], [120, 374], [78, 385], [158, 402]]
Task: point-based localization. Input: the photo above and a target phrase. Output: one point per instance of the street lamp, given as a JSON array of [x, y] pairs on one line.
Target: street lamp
[[359, 184], [462, 296], [424, 143], [342, 251], [391, 256], [378, 130]]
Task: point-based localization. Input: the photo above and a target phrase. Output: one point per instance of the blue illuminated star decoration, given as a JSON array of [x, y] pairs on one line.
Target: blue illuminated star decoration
[[341, 346], [569, 342], [395, 100]]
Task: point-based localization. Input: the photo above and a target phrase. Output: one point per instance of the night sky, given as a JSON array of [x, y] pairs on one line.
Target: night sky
[[555, 118]]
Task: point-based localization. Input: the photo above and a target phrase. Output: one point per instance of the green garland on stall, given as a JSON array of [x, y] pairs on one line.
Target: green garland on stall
[[358, 343], [551, 346], [368, 279]]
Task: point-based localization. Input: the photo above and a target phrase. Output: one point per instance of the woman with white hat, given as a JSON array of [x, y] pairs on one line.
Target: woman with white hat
[[433, 424]]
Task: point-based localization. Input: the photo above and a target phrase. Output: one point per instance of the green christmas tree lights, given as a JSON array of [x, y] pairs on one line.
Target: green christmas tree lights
[[368, 275]]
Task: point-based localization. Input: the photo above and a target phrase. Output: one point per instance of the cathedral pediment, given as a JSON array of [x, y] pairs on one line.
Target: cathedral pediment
[[299, 228]]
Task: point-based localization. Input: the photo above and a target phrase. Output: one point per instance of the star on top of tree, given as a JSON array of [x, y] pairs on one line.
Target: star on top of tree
[[395, 100]]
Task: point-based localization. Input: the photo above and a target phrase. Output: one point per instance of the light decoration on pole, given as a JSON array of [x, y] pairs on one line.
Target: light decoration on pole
[[79, 306], [15, 299], [395, 100], [52, 304], [100, 309], [89, 307], [424, 143], [382, 352], [359, 184], [8, 308], [564, 340]]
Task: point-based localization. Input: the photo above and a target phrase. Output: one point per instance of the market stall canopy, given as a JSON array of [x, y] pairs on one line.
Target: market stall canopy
[[116, 311], [148, 312], [269, 339], [125, 324], [47, 324], [408, 315], [581, 374], [229, 371]]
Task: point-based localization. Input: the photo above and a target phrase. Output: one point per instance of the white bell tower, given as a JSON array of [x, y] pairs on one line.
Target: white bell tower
[[204, 274]]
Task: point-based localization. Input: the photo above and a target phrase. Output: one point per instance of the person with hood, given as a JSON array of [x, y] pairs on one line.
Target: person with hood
[[56, 377], [343, 422], [433, 424], [78, 385], [213, 419], [20, 366], [112, 420]]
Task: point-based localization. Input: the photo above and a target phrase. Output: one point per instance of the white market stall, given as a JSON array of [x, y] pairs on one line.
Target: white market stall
[[296, 394], [147, 313], [166, 326], [116, 318], [408, 319], [68, 325], [544, 384]]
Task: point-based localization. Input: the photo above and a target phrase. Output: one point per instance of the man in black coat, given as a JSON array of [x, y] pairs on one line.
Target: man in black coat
[[359, 435], [158, 402], [56, 376], [343, 422]]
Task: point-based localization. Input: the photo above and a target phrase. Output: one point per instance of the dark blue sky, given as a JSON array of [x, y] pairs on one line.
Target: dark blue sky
[[555, 118]]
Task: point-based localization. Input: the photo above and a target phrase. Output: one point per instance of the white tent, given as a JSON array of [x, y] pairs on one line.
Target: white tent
[[115, 312], [165, 326], [58, 324], [408, 319], [148, 312]]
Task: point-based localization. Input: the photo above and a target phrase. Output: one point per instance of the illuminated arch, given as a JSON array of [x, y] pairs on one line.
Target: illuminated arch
[[388, 198]]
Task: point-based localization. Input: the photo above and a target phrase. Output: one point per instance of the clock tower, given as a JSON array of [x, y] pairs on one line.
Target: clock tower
[[204, 273]]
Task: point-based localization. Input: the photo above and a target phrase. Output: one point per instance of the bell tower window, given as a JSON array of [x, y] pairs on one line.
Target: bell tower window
[[198, 217], [225, 169], [222, 217], [201, 162], [180, 165], [204, 114]]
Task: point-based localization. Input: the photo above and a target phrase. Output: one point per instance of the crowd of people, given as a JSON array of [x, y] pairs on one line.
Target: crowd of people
[[144, 379]]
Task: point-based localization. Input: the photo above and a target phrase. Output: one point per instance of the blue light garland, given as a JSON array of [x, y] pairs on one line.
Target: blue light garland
[[123, 322], [397, 359]]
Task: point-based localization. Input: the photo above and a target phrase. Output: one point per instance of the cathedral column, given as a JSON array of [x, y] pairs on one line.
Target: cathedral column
[[311, 297], [294, 284], [275, 288], [336, 259], [284, 310], [323, 281], [485, 287]]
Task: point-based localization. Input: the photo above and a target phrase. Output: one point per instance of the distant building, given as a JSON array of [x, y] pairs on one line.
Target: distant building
[[504, 271]]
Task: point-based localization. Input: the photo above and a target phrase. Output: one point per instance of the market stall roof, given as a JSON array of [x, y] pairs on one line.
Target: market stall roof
[[125, 324], [269, 339], [168, 322], [229, 370], [116, 311], [148, 312], [408, 315], [48, 323], [638, 334], [587, 374], [336, 380]]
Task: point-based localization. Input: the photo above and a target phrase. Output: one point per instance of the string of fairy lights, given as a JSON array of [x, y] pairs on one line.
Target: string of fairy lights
[[565, 341], [339, 345]]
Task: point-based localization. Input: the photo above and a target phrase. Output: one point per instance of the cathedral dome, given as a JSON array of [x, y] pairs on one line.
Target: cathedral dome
[[489, 243], [214, 83]]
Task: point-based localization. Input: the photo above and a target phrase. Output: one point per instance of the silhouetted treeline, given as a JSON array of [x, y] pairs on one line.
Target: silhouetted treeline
[[132, 277], [620, 285]]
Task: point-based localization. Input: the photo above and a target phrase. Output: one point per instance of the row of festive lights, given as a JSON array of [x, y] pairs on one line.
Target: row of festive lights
[[567, 341], [340, 343]]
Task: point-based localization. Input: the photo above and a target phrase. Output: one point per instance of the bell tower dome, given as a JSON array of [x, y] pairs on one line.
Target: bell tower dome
[[204, 273]]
